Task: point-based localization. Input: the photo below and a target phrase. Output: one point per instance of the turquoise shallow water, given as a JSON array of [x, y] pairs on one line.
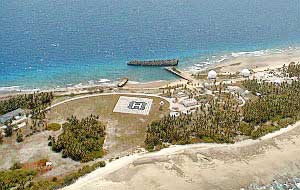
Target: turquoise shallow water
[[54, 43]]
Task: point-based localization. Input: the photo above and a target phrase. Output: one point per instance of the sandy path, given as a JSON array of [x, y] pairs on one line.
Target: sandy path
[[202, 166], [106, 94]]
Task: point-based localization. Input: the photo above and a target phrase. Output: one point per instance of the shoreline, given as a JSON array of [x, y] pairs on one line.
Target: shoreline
[[231, 62], [93, 179]]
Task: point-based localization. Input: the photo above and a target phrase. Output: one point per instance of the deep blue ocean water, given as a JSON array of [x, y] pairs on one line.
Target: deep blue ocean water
[[50, 43]]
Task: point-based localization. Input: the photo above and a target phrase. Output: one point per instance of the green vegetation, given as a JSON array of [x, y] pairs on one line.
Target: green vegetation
[[53, 127], [277, 106], [36, 101], [81, 140], [17, 165], [293, 70], [19, 136], [24, 179], [1, 137], [56, 183], [218, 122], [278, 101], [15, 178]]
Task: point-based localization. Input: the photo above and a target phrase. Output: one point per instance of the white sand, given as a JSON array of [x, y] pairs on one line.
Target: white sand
[[259, 63], [201, 166]]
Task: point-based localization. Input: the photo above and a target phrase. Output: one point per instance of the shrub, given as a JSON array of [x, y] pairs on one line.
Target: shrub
[[16, 165], [246, 128], [263, 130], [19, 136]]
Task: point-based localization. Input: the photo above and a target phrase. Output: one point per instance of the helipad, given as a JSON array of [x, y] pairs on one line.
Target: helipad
[[133, 105]]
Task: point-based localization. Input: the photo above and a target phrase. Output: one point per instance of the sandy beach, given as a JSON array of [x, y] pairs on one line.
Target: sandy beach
[[203, 166], [147, 85], [259, 62]]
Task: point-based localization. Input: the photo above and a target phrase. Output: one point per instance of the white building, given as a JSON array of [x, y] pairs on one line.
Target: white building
[[49, 164], [2, 129], [180, 95], [189, 102], [188, 112], [21, 125], [19, 119], [174, 114], [236, 89], [212, 75]]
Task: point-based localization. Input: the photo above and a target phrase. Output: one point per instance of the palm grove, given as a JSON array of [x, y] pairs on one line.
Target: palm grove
[[221, 119], [81, 140]]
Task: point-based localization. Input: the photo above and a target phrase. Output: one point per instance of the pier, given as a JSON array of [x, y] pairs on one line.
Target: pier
[[123, 82], [180, 73]]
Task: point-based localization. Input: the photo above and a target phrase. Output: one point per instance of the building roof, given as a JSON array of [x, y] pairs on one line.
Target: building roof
[[189, 102], [11, 115]]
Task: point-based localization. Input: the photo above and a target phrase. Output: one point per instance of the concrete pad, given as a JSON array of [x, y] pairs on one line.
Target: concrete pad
[[133, 105]]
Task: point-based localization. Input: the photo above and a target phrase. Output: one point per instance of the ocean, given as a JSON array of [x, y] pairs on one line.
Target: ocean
[[60, 43]]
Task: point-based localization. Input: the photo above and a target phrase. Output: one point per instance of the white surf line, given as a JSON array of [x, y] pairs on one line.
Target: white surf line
[[113, 166]]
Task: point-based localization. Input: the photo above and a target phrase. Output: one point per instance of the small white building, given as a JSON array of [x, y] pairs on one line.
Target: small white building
[[245, 72], [212, 75], [174, 114], [189, 102], [49, 164], [180, 94], [236, 89], [188, 112], [21, 125], [2, 129], [19, 119]]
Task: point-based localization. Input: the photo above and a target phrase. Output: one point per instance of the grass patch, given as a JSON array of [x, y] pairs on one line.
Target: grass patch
[[53, 127]]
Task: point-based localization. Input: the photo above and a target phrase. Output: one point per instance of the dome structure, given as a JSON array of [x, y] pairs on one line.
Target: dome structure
[[161, 103], [245, 73], [212, 75]]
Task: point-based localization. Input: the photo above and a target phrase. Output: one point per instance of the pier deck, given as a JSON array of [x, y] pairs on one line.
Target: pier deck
[[180, 73]]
